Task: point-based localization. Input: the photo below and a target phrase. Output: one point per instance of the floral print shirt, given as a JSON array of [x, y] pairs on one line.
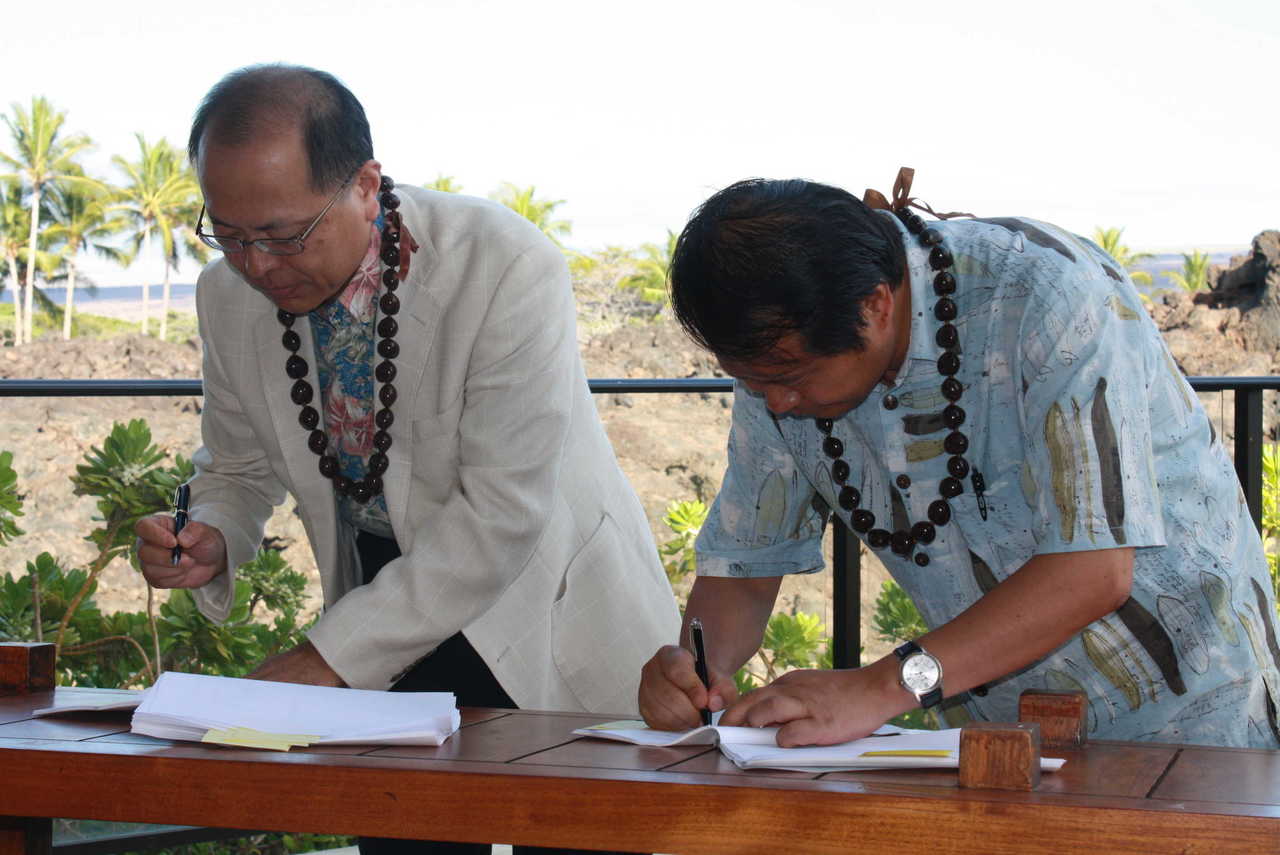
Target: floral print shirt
[[1088, 438], [344, 338]]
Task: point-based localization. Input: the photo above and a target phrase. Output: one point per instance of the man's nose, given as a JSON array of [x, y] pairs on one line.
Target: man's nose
[[256, 262]]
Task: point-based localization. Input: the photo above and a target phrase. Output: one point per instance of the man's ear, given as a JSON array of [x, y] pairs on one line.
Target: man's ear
[[878, 307], [367, 186]]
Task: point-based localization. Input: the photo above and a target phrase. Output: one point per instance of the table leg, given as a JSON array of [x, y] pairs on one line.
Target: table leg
[[25, 835]]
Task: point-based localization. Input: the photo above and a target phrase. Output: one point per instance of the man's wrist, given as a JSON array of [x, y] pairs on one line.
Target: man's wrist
[[893, 697]]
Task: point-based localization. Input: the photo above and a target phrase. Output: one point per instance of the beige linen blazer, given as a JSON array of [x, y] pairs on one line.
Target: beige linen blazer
[[515, 524]]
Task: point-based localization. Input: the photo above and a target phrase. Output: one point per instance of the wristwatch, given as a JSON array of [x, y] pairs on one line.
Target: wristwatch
[[920, 674]]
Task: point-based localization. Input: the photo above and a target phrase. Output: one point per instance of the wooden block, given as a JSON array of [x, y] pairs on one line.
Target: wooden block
[[25, 667], [1000, 756], [1063, 716], [24, 836]]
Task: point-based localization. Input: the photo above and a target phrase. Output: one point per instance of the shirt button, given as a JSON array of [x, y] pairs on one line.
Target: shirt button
[[890, 402], [903, 482]]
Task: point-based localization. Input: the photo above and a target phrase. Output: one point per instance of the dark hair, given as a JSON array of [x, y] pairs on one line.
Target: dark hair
[[250, 100], [762, 259]]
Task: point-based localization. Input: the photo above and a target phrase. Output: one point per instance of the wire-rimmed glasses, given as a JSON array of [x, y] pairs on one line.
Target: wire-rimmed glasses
[[272, 246]]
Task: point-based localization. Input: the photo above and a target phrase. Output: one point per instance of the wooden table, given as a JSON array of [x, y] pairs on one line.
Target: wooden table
[[522, 777]]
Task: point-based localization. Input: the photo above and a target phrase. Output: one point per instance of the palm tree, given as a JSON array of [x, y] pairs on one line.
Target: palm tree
[[160, 197], [1109, 240], [652, 266], [1194, 275], [14, 230], [537, 211], [81, 221], [444, 183], [42, 160]]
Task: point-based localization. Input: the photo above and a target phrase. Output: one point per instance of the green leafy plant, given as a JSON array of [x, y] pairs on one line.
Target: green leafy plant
[[795, 640], [685, 519], [129, 478], [125, 475], [10, 500], [896, 618], [1271, 514]]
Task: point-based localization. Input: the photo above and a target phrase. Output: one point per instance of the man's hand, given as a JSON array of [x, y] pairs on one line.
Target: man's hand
[[671, 695], [204, 552], [823, 707], [302, 664]]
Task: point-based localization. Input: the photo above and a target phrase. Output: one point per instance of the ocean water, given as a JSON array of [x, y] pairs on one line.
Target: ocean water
[[84, 299], [1156, 265]]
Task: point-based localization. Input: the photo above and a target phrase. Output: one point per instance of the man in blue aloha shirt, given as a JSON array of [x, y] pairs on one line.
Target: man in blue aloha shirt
[[989, 406]]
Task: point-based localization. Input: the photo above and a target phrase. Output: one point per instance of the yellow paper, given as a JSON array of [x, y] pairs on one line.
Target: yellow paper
[[249, 738], [906, 752], [618, 725]]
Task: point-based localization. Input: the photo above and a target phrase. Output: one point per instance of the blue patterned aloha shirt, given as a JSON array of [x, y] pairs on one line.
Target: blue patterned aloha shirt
[[1088, 438], [344, 339]]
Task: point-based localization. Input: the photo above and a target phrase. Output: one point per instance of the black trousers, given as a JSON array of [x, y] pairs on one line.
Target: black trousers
[[455, 667]]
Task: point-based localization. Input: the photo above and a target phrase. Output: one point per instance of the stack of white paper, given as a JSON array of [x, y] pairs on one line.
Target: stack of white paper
[[757, 747], [276, 715]]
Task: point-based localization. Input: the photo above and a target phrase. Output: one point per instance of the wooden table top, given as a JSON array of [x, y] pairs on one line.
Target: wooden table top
[[522, 777]]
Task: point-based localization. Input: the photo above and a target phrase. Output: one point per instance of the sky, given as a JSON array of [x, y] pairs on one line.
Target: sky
[[1151, 116]]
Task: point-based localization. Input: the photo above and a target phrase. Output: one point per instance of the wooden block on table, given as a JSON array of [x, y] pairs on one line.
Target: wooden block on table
[[23, 836], [25, 667], [1063, 716], [1000, 756]]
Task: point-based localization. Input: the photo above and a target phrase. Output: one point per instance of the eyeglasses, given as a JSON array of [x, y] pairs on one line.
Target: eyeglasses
[[271, 246]]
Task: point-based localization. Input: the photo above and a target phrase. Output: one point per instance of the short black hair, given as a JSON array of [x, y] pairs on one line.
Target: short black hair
[[762, 259], [275, 97]]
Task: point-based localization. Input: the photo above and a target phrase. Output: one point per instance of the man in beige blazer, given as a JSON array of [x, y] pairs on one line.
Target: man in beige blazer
[[513, 535]]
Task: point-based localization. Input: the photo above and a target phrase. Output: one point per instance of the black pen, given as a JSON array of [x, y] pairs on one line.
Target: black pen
[[700, 662], [181, 500]]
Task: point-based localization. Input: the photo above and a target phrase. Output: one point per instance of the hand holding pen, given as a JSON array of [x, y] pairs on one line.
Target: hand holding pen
[[176, 551], [181, 504], [681, 686], [700, 663]]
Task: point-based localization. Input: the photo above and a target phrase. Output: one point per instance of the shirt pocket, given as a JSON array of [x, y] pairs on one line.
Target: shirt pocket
[[595, 639]]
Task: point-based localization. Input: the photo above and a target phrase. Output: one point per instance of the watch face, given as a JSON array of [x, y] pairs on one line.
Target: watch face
[[920, 673]]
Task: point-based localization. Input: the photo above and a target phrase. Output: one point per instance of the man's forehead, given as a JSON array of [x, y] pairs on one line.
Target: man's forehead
[[778, 361]]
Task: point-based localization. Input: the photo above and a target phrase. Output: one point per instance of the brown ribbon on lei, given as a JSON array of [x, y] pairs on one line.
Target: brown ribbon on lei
[[902, 197]]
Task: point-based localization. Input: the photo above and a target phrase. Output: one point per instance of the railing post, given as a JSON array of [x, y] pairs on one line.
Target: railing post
[[1249, 449], [846, 597]]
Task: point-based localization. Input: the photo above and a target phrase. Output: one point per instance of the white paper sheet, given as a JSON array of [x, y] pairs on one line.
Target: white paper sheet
[[756, 747], [187, 706]]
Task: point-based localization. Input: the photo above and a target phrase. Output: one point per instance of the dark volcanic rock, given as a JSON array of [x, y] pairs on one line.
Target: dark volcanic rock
[[1252, 285]]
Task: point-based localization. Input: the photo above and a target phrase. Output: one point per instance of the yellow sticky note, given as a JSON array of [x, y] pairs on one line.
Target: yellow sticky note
[[249, 738], [910, 752], [618, 725]]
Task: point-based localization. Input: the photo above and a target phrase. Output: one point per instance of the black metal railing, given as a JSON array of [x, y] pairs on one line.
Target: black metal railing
[[846, 641], [846, 607]]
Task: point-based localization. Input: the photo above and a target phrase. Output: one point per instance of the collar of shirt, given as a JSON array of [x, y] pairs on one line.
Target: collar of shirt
[[360, 297], [924, 326]]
